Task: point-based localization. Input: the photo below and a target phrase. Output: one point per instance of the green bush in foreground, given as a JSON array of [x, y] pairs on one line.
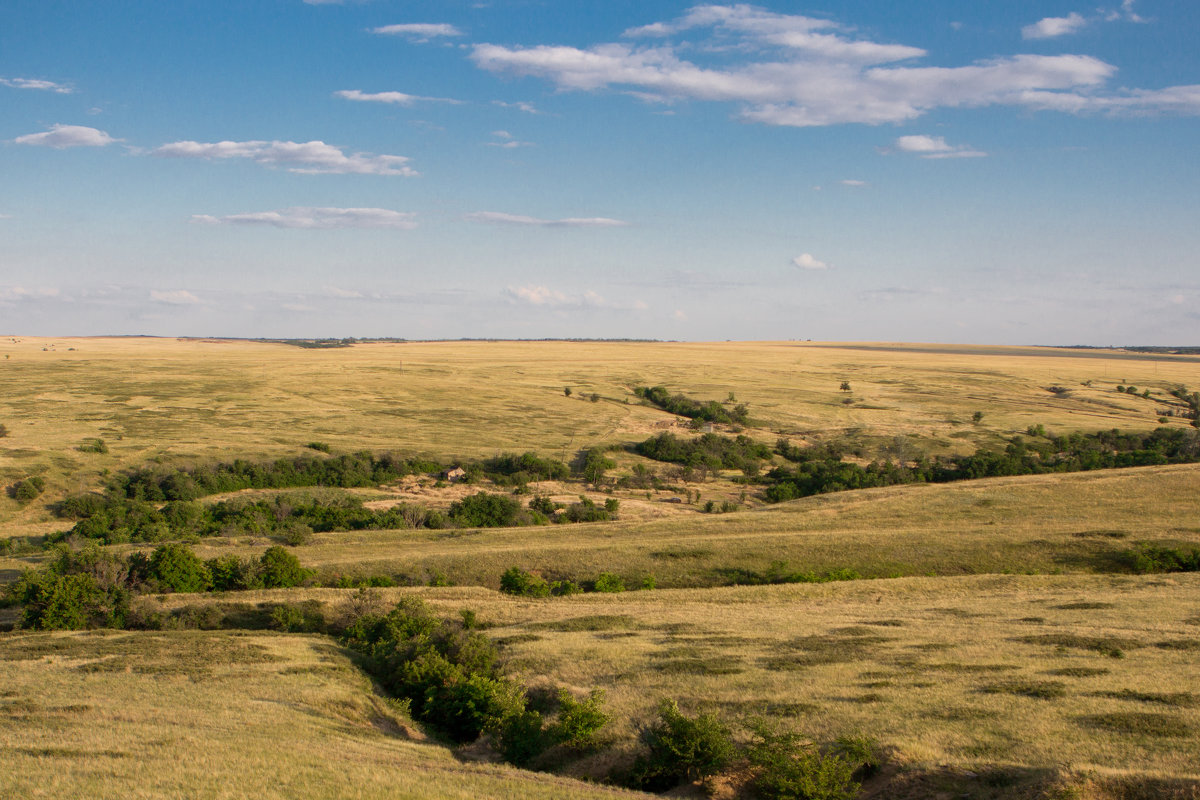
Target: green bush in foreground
[[792, 768], [681, 748]]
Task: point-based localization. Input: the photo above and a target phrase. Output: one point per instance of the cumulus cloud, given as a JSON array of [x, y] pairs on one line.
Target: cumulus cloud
[[418, 31], [935, 147], [63, 136], [1051, 27], [318, 218], [800, 71], [808, 261], [37, 85], [314, 157], [394, 98], [500, 218], [174, 297]]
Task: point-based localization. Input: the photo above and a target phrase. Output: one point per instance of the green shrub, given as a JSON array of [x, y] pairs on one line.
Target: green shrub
[[681, 748], [303, 618], [27, 490], [485, 510], [281, 569], [320, 447], [175, 568], [522, 738], [565, 587], [792, 768], [232, 574], [93, 446], [65, 602], [608, 582], [579, 721], [517, 581]]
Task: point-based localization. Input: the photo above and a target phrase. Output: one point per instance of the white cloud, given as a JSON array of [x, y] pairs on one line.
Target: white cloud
[[319, 218], [808, 261], [37, 85], [854, 183], [314, 157], [395, 98], [174, 297], [298, 307], [545, 297], [419, 31], [507, 141], [63, 136], [935, 147], [1051, 27], [499, 217], [347, 294], [520, 105], [800, 71], [12, 294]]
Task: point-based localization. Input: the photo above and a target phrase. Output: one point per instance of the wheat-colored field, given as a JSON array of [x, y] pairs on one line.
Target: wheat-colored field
[[1000, 649]]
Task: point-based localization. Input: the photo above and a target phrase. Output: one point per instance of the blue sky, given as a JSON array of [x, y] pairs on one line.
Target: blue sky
[[1003, 172]]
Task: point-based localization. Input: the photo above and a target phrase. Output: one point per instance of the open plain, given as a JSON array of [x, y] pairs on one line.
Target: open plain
[[991, 636]]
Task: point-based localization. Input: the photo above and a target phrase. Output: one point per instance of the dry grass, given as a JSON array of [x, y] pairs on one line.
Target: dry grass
[[221, 715], [1079, 522], [1010, 678], [194, 399]]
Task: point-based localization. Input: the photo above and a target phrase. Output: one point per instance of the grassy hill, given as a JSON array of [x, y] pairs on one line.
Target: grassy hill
[[997, 643]]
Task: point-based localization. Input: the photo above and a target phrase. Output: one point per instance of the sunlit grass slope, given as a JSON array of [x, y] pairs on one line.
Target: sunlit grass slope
[[221, 715], [197, 399], [1080, 522]]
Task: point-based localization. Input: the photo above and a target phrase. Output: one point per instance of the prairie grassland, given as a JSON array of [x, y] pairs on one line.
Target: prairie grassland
[[221, 715], [217, 400], [1037, 674], [1080, 522]]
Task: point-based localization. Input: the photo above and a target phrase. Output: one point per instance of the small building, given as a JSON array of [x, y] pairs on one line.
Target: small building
[[454, 475]]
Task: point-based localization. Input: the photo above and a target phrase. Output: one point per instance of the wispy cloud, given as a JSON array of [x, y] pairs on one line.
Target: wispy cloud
[[808, 261], [314, 157], [800, 71], [935, 147], [63, 136], [546, 297], [500, 218], [318, 218], [507, 141], [854, 184], [419, 31], [520, 105], [174, 297], [1051, 27], [37, 85], [13, 294], [394, 98]]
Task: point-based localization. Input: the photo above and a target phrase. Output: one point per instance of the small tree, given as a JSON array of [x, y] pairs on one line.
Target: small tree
[[977, 417], [682, 748], [845, 387], [281, 569], [567, 391], [177, 569]]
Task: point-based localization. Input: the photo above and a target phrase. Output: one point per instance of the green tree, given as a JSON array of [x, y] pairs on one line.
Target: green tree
[[176, 568], [281, 569], [682, 748]]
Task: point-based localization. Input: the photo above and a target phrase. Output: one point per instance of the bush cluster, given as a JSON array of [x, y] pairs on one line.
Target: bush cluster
[[523, 583], [28, 489], [93, 588], [684, 406], [709, 450]]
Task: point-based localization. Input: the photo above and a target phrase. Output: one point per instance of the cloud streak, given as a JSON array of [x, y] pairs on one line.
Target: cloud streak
[[501, 218], [419, 31], [313, 158], [36, 85], [393, 98], [306, 218], [935, 147], [1051, 27], [61, 137]]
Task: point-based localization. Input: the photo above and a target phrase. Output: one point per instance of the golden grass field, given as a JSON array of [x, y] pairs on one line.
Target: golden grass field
[[984, 596]]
